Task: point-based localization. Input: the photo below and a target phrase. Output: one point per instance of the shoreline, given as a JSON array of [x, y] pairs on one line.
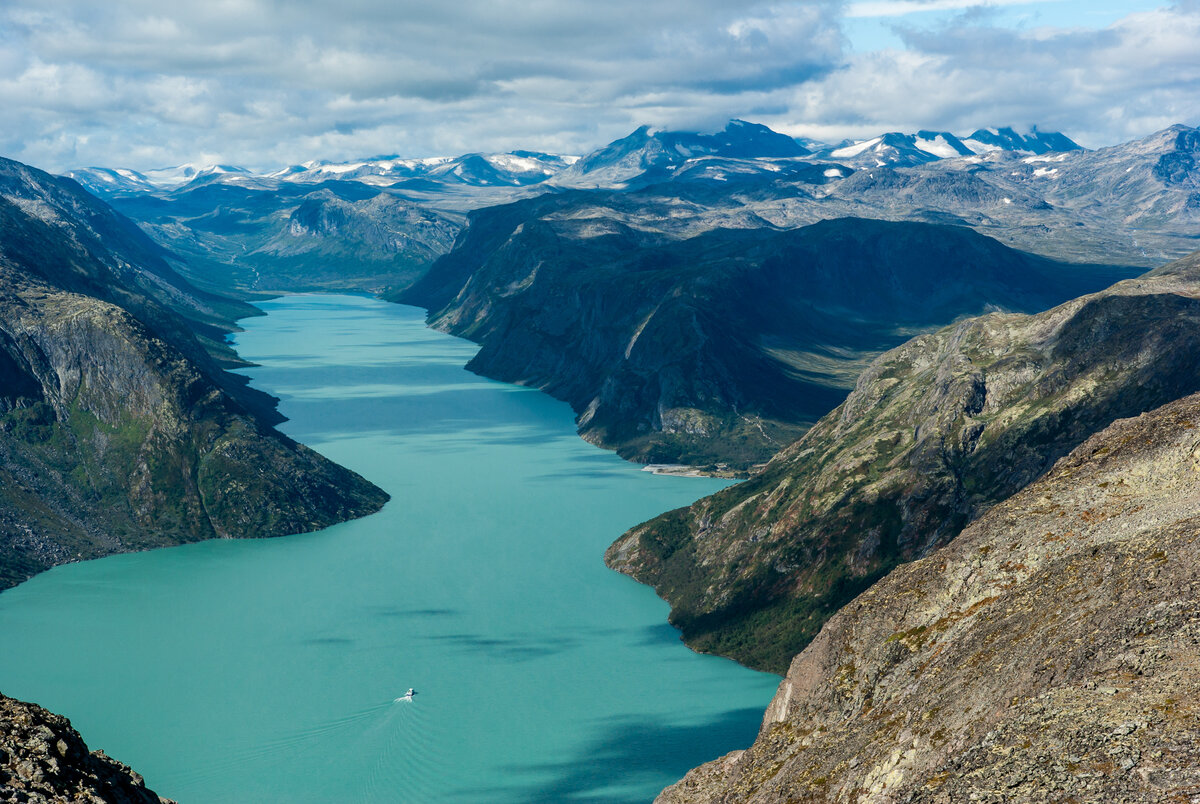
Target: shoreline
[[685, 470]]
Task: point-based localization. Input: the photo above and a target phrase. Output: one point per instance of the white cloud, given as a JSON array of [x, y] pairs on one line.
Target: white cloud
[[899, 8], [1099, 86], [904, 7], [258, 81], [143, 84]]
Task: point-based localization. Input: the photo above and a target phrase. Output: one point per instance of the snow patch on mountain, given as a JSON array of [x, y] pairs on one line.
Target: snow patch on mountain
[[855, 149]]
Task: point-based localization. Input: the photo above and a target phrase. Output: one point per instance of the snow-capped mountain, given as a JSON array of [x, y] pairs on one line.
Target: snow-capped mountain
[[896, 149], [513, 169], [1006, 139], [106, 181], [643, 157], [647, 154]]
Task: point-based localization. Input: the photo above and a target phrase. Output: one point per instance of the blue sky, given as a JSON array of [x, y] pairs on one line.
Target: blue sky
[[265, 83], [875, 31]]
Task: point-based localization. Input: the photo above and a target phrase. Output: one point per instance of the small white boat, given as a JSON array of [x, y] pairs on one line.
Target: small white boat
[[408, 696]]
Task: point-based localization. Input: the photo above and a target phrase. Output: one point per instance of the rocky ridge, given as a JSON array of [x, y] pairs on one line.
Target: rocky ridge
[[43, 759], [1049, 653], [935, 432]]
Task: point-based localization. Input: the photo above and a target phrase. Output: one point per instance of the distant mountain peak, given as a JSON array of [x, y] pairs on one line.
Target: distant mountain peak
[[1006, 138], [897, 149], [648, 150]]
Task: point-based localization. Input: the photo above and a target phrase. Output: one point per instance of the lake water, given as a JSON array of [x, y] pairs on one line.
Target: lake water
[[266, 671]]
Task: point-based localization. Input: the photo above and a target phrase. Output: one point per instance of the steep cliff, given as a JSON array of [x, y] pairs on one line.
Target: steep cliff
[[117, 430], [43, 759], [935, 432], [719, 347], [1049, 653]]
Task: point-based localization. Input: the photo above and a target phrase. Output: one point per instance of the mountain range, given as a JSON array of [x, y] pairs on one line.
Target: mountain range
[[517, 168], [382, 222], [645, 149]]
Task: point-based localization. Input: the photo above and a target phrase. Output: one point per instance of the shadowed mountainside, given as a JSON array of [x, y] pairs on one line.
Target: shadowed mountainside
[[718, 348]]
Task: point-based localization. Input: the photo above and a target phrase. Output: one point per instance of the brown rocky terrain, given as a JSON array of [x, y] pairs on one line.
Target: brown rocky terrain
[[935, 432], [43, 759], [1049, 653]]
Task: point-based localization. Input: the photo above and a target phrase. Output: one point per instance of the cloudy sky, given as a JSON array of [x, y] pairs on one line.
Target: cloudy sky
[[265, 83]]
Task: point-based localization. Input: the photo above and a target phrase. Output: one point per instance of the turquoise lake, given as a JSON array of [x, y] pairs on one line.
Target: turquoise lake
[[266, 671]]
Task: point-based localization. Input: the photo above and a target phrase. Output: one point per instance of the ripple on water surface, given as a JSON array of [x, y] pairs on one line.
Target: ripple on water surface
[[268, 671]]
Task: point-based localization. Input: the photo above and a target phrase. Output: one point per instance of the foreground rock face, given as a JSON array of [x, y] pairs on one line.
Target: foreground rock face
[[43, 759], [1050, 652], [117, 430], [935, 432]]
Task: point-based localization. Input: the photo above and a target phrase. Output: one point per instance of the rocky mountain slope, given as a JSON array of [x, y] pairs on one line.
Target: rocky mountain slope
[[146, 283], [297, 237], [717, 348], [935, 432], [119, 431], [1049, 653], [43, 759]]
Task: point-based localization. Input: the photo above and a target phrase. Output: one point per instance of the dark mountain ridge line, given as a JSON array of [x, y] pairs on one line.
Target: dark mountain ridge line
[[120, 432], [717, 348], [936, 432]]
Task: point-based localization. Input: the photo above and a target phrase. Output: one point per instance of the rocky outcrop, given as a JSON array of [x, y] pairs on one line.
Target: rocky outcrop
[[117, 430], [1048, 653], [43, 759], [935, 432], [717, 348]]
